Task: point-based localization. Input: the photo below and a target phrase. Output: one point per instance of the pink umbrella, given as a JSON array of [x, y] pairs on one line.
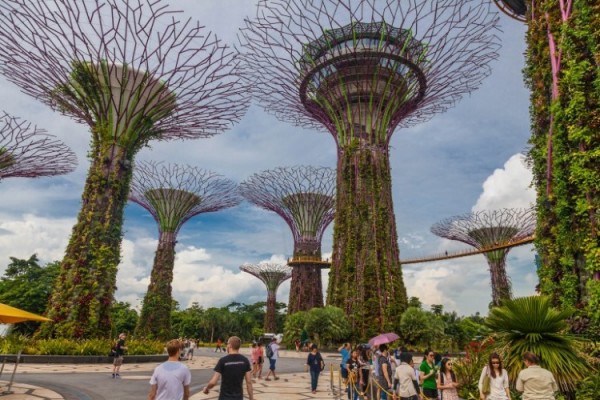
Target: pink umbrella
[[383, 338]]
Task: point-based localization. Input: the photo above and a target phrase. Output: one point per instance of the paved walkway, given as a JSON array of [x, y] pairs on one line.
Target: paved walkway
[[290, 386]]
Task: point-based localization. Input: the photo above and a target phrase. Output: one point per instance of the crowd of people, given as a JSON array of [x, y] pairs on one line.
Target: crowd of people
[[394, 375]]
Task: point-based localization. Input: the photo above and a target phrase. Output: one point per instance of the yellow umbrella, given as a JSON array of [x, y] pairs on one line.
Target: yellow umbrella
[[11, 315]]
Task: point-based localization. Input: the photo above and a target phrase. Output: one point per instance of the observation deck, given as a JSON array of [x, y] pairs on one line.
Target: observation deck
[[322, 262]]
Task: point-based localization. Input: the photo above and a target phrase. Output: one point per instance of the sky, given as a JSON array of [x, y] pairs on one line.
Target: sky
[[469, 158]]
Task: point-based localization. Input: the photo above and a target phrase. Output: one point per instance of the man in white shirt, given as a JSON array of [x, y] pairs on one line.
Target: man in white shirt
[[405, 378], [535, 382], [171, 379], [273, 360]]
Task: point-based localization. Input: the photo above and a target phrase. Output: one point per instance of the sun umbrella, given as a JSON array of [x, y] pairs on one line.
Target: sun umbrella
[[11, 315], [383, 338]]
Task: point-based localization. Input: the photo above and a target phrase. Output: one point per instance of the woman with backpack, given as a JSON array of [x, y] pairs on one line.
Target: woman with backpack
[[446, 381]]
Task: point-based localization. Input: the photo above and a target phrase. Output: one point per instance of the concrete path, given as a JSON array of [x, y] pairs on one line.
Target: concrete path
[[92, 381]]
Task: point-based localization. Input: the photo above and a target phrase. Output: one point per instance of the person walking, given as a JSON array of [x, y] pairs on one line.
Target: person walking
[[535, 382], [219, 345], [446, 381], [190, 354], [427, 376], [171, 379], [119, 353], [406, 384], [232, 369], [273, 356], [314, 364], [385, 371], [499, 385]]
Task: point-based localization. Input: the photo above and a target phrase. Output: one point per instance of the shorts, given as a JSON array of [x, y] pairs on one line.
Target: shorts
[[261, 360], [272, 362], [344, 371], [118, 361], [430, 393]]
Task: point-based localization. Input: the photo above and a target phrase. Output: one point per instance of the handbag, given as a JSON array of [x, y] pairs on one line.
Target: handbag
[[486, 384]]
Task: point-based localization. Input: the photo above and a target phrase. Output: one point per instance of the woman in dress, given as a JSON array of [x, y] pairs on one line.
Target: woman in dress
[[498, 380], [446, 381]]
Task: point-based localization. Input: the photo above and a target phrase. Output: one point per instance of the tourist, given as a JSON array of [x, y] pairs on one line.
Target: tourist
[[498, 388], [365, 368], [344, 350], [254, 354], [535, 382], [314, 364], [385, 371], [273, 356], [446, 381], [427, 376], [232, 370], [297, 344], [119, 349], [405, 379], [193, 345], [219, 345], [261, 361], [353, 368], [171, 379]]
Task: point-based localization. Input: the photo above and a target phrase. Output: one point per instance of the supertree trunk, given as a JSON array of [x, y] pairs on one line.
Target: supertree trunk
[[366, 252], [271, 313], [306, 288], [501, 286], [155, 317], [89, 269]]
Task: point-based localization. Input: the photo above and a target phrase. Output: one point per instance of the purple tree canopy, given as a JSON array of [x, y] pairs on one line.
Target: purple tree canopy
[[488, 228], [130, 64], [441, 49], [175, 193], [26, 151], [303, 196]]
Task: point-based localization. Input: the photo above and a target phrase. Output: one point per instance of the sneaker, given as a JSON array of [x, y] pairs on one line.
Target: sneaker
[[113, 376], [118, 376], [276, 378], [268, 379]]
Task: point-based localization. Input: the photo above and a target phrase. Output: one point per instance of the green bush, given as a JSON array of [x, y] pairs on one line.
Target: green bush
[[85, 347]]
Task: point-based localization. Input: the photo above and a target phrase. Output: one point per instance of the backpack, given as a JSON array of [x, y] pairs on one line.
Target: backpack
[[113, 350], [269, 351]]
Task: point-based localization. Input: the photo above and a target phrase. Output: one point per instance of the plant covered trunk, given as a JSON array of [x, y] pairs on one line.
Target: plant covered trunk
[[306, 288], [563, 76], [271, 313], [155, 317], [366, 278], [501, 287], [83, 293]]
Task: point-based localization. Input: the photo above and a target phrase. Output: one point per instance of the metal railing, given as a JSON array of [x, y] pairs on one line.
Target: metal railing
[[5, 358]]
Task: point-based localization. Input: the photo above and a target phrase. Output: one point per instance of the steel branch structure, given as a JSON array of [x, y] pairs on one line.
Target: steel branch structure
[[485, 229], [304, 198], [272, 275], [173, 194], [133, 72], [360, 69], [28, 152]]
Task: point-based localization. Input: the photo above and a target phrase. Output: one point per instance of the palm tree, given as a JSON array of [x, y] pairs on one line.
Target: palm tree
[[531, 324]]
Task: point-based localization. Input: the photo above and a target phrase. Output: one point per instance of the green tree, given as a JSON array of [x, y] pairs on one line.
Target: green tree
[[414, 325], [27, 285], [293, 327], [124, 318], [327, 324], [531, 324], [415, 302]]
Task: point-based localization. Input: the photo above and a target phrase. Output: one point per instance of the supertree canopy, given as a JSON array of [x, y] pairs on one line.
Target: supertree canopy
[[360, 69], [513, 8], [272, 275], [486, 229], [173, 194], [133, 72], [27, 151], [304, 198]]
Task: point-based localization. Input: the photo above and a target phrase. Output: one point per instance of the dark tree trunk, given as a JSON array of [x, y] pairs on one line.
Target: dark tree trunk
[[155, 317], [83, 294], [270, 316], [366, 277], [306, 288]]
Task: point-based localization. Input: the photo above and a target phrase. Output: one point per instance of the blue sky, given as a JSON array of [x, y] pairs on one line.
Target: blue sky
[[465, 159]]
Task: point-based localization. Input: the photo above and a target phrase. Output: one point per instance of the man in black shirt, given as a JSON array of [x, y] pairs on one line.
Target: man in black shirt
[[232, 369], [119, 349]]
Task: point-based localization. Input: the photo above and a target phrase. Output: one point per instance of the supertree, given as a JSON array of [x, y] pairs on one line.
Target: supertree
[[562, 74], [173, 194], [132, 72], [360, 69], [28, 152], [304, 198], [513, 8], [485, 229], [272, 275]]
